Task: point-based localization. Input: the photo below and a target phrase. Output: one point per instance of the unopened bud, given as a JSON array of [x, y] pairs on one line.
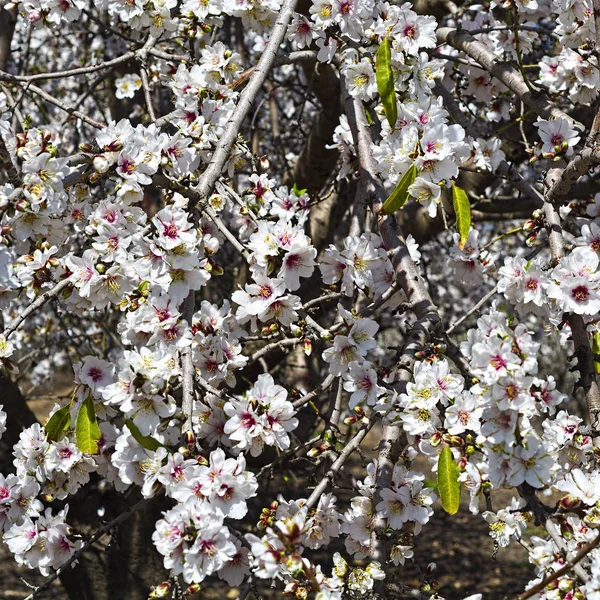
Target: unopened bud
[[329, 437], [462, 464], [185, 452], [569, 503], [217, 270], [193, 589], [435, 439], [566, 584], [326, 335], [529, 225], [430, 569], [566, 529], [190, 439], [161, 590], [115, 146], [21, 205], [350, 420], [264, 162], [470, 450], [202, 461], [307, 347], [456, 441], [101, 268], [101, 163], [85, 147]]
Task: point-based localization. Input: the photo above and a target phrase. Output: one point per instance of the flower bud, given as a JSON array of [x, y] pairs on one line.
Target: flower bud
[[435, 439], [101, 163], [326, 335], [569, 503], [85, 147], [529, 225], [430, 569], [101, 268], [470, 450], [161, 590], [193, 589], [217, 270], [264, 163], [566, 529], [462, 464], [307, 347], [456, 441], [202, 461], [185, 452], [566, 584]]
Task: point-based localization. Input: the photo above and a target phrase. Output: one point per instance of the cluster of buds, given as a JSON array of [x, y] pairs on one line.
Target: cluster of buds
[[268, 515], [139, 296], [533, 227], [557, 154], [359, 416], [429, 585]]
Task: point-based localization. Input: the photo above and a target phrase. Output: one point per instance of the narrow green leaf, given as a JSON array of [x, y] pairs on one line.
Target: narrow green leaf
[[447, 479], [596, 352], [145, 441], [462, 210], [385, 81], [298, 192], [87, 432], [57, 423], [400, 194]]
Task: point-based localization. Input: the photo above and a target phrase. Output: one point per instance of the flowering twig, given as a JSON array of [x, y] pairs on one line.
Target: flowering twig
[[570, 564], [512, 79], [75, 556], [37, 303], [350, 447]]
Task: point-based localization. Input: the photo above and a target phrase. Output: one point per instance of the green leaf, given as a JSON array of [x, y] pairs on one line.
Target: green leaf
[[57, 423], [385, 81], [462, 210], [447, 479], [596, 352], [87, 432], [297, 191], [400, 194], [145, 441]]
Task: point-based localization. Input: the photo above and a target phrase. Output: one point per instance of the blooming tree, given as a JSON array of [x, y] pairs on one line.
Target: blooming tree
[[254, 233]]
